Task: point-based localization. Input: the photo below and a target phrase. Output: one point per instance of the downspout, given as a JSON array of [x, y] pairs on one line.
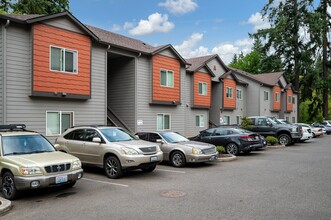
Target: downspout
[[4, 59], [136, 60], [106, 81]]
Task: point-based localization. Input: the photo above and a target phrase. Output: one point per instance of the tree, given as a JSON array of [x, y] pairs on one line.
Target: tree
[[34, 6]]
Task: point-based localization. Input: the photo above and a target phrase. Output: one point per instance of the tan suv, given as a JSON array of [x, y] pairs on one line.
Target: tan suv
[[112, 148], [29, 161]]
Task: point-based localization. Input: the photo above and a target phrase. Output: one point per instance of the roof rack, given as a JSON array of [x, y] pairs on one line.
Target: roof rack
[[13, 127]]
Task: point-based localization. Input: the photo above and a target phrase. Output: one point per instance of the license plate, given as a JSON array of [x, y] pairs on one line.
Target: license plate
[[61, 179], [153, 159], [212, 158]]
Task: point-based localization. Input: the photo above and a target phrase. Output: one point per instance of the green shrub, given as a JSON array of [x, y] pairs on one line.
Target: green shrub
[[246, 123], [271, 140], [220, 149]]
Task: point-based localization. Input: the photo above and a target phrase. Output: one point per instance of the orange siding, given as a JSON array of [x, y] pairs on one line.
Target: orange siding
[[230, 102], [276, 104], [202, 100], [162, 93], [45, 80], [289, 106]]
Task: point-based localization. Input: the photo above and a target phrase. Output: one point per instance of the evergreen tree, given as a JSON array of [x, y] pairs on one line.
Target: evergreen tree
[[34, 6]]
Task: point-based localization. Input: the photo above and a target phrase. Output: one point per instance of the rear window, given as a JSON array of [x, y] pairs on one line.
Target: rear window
[[25, 144]]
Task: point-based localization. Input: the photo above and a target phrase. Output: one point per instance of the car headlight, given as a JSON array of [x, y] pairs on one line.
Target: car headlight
[[158, 148], [30, 171], [129, 151], [76, 164], [196, 151], [294, 129]]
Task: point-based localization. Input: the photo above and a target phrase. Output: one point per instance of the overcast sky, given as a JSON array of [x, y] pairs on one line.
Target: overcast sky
[[193, 27]]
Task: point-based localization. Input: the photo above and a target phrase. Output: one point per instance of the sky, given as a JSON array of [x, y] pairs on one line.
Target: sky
[[194, 27]]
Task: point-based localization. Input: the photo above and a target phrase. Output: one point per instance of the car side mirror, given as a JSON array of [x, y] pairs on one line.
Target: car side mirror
[[96, 140], [159, 141]]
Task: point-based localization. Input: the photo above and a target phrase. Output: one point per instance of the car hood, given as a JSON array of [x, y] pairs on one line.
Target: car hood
[[135, 144], [195, 144], [41, 159]]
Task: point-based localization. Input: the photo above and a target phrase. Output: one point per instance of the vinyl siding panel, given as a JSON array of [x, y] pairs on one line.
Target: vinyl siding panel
[[168, 53], [265, 105], [216, 102], [1, 73], [64, 23], [217, 69], [121, 89], [32, 111], [147, 113]]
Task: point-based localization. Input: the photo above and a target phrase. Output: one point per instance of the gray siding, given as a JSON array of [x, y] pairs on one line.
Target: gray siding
[[168, 53], [146, 113], [216, 102], [64, 23], [265, 105], [121, 89], [219, 68], [23, 109], [1, 73]]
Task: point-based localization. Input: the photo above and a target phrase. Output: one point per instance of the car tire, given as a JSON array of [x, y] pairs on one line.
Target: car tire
[[149, 169], [284, 139], [9, 190], [232, 148], [178, 159], [113, 168], [314, 136]]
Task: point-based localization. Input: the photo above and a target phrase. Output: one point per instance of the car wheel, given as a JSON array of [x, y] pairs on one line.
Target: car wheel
[[232, 148], [314, 135], [8, 186], [178, 159], [284, 139], [113, 167], [149, 169]]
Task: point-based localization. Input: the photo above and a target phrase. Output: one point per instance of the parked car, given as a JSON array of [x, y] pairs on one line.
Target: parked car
[[326, 129], [315, 131], [326, 123], [269, 126], [307, 132], [179, 150], [234, 140], [29, 161], [112, 148]]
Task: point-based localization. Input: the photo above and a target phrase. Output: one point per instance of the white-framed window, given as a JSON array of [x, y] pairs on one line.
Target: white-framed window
[[266, 96], [239, 119], [58, 121], [277, 97], [293, 119], [202, 88], [239, 94], [200, 121], [63, 60], [289, 99], [167, 78], [287, 118], [229, 92], [163, 121], [226, 120]]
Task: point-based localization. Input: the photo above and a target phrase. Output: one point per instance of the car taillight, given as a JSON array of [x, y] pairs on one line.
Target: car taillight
[[247, 138]]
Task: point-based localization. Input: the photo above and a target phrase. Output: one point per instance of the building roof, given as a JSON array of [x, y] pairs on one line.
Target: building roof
[[199, 62], [269, 78]]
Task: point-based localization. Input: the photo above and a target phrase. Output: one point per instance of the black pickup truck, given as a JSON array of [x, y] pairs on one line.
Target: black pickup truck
[[270, 126]]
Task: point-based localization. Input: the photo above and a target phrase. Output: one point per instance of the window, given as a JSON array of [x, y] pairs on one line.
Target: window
[[287, 119], [154, 137], [90, 134], [163, 122], [293, 119], [289, 99], [277, 96], [266, 95], [202, 88], [239, 94], [63, 60], [58, 122], [226, 120], [208, 132], [229, 92], [200, 121], [167, 78], [78, 135], [239, 118], [220, 131]]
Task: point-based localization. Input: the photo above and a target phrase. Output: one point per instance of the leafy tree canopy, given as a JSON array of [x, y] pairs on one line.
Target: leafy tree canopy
[[34, 6]]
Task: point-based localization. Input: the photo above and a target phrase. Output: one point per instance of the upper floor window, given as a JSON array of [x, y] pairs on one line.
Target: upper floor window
[[57, 122], [239, 94], [63, 60], [163, 122], [202, 88], [266, 96], [167, 78], [277, 97], [229, 92], [289, 99]]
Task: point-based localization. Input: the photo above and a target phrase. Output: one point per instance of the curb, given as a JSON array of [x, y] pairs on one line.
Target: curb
[[228, 157], [5, 205], [275, 146]]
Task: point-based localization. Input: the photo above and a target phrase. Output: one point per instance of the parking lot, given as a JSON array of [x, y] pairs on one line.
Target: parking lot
[[285, 183]]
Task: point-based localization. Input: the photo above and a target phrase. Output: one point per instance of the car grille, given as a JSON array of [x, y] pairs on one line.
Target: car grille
[[209, 150], [148, 149], [57, 168]]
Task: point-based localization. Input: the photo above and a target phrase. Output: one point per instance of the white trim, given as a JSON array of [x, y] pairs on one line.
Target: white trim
[[226, 92], [163, 114], [241, 94], [75, 57], [203, 83], [277, 100], [173, 78], [201, 125], [72, 113], [265, 91]]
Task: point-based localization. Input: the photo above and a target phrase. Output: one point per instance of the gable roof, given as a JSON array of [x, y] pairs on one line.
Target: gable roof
[[199, 62], [269, 78], [225, 75]]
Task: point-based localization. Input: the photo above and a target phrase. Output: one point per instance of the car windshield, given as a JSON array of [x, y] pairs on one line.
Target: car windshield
[[274, 121], [117, 134], [25, 144], [172, 137]]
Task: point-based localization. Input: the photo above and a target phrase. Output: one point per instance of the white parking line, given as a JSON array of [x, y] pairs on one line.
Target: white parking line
[[172, 171], [98, 181]]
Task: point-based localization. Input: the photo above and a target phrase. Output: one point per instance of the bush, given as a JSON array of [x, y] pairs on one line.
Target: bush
[[271, 140], [220, 149], [246, 123]]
